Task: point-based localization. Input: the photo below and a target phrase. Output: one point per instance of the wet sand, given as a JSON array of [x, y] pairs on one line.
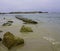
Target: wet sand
[[45, 36]]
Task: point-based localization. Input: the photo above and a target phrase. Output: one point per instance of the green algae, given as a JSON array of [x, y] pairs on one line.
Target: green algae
[[9, 40], [26, 29]]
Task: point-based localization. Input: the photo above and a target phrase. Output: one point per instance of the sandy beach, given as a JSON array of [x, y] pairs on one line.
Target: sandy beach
[[45, 36]]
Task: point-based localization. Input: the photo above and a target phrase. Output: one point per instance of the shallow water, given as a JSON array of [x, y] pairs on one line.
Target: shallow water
[[45, 35]]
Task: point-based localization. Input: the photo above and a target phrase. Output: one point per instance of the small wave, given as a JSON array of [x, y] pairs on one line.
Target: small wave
[[52, 41], [49, 39]]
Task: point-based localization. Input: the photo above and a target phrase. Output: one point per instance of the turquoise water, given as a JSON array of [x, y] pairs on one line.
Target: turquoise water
[[45, 35]]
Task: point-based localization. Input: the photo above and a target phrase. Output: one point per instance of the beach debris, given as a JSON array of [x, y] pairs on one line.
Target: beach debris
[[26, 20], [26, 29], [9, 23], [9, 40]]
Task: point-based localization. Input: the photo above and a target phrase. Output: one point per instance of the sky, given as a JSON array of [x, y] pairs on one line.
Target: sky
[[30, 5]]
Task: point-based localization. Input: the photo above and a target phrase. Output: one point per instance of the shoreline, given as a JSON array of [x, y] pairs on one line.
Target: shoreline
[[42, 38], [31, 12]]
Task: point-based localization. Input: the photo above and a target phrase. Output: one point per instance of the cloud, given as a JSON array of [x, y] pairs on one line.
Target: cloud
[[24, 5]]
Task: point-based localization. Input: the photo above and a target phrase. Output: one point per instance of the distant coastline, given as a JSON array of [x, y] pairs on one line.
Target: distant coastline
[[32, 12]]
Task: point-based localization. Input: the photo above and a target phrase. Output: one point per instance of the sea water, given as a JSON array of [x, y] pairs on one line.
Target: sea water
[[45, 35]]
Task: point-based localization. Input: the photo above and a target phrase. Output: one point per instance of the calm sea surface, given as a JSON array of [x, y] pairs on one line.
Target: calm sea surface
[[45, 35], [43, 17]]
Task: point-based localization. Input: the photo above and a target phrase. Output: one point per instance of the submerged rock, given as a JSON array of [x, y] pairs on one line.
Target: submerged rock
[[26, 20], [9, 23], [6, 24], [26, 29], [9, 40]]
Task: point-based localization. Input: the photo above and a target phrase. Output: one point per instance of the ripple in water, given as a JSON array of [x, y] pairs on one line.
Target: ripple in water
[[54, 43]]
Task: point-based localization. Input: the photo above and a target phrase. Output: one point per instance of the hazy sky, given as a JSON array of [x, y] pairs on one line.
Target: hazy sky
[[30, 5]]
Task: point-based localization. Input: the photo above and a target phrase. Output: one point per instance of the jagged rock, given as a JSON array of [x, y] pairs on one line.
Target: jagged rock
[[9, 40], [26, 29]]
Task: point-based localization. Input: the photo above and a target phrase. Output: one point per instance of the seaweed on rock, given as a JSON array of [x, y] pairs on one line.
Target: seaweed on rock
[[1, 31], [9, 40], [26, 20], [26, 29]]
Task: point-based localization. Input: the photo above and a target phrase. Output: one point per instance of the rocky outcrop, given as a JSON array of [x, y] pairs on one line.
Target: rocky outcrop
[[26, 29], [9, 40], [26, 20]]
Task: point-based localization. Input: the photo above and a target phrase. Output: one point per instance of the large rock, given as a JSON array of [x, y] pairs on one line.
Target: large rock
[[26, 20], [9, 40], [26, 29]]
